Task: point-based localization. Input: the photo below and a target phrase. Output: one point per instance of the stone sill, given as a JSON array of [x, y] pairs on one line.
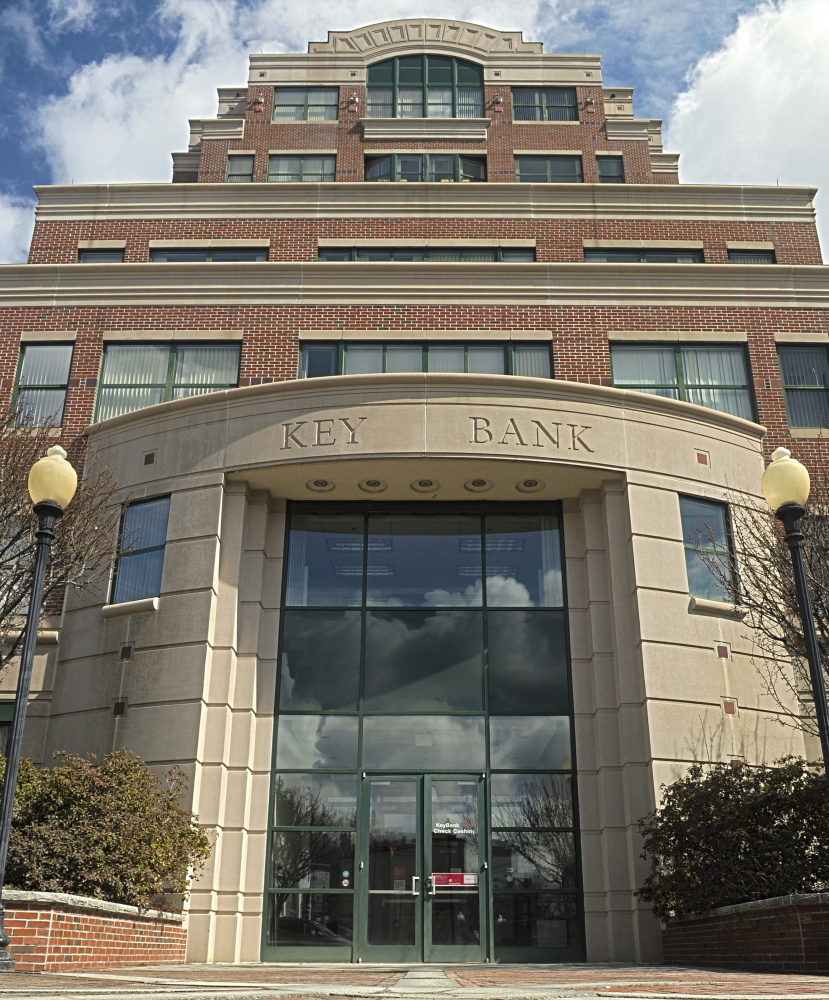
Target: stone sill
[[701, 606], [425, 128], [58, 900], [130, 608], [775, 903]]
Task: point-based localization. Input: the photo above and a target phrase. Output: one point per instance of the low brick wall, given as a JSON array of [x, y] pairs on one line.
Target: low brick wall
[[52, 931], [785, 934]]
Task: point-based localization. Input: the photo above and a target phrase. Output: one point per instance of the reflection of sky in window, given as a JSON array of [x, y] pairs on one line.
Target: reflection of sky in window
[[316, 741], [320, 660], [427, 741], [529, 741]]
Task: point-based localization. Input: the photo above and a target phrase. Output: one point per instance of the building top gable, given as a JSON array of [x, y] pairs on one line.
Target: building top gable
[[417, 33]]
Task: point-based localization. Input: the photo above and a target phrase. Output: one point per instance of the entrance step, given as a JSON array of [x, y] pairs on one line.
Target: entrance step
[[428, 978]]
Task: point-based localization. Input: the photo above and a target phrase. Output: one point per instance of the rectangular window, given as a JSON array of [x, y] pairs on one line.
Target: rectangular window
[[549, 169], [141, 551], [240, 169], [529, 360], [711, 376], [709, 559], [642, 255], [463, 255], [210, 254], [805, 372], [42, 378], [611, 169], [305, 104], [6, 716], [100, 256], [308, 169], [751, 257], [434, 167], [551, 104], [138, 375]]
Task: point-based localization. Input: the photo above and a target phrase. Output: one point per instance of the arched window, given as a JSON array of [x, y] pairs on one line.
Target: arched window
[[425, 86]]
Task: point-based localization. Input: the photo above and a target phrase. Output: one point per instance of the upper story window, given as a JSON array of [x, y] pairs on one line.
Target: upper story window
[[305, 104], [210, 254], [240, 169], [425, 167], [709, 558], [712, 376], [141, 551], [449, 254], [138, 375], [374, 358], [642, 255], [805, 372], [42, 377], [425, 86], [611, 169], [549, 169], [751, 257], [100, 256], [549, 104], [312, 169]]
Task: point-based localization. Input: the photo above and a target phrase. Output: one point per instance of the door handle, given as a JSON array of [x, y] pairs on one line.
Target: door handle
[[430, 886], [415, 889]]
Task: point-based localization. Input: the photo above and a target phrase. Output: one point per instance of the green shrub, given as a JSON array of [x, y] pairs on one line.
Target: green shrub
[[111, 830], [725, 835]]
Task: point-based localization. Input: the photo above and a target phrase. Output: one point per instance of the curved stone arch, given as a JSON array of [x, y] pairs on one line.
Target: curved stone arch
[[432, 34]]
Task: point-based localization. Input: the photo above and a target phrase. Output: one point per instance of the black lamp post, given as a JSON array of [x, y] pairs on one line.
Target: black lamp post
[[785, 486], [52, 484]]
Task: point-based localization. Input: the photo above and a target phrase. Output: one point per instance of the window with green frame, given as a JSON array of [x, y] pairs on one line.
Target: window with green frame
[[138, 375], [610, 169], [708, 375], [470, 254], [642, 255], [208, 254], [425, 167], [100, 256], [549, 169], [40, 389], [751, 257], [547, 104], [805, 371], [140, 561], [305, 104], [308, 169], [709, 559], [495, 358], [425, 86], [240, 169]]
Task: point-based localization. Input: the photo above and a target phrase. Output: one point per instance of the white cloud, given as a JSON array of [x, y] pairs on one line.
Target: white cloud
[[72, 15], [755, 110], [16, 223]]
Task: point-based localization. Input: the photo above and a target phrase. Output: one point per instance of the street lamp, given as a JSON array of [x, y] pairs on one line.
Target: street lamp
[[52, 484], [785, 486]]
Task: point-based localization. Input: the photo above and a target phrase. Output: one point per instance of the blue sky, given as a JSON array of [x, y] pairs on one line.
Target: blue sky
[[101, 90]]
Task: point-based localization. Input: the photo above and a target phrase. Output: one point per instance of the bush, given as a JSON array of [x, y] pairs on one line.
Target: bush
[[725, 835], [112, 830]]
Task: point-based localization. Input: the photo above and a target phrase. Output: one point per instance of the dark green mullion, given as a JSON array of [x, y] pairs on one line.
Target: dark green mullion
[[510, 349], [455, 88], [341, 349], [680, 374], [19, 369], [171, 367]]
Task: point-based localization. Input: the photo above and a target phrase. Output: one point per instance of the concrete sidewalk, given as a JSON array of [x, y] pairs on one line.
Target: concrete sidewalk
[[488, 982]]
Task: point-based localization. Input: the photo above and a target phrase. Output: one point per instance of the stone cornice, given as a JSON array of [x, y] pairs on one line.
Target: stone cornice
[[710, 202], [423, 283], [430, 129], [403, 33]]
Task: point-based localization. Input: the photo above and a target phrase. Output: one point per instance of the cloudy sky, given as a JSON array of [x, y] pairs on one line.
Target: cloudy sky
[[101, 90]]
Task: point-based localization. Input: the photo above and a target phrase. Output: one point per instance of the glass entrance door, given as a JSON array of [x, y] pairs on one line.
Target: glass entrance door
[[422, 897]]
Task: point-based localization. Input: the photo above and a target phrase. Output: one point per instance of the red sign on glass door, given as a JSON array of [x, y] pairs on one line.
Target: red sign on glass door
[[443, 880]]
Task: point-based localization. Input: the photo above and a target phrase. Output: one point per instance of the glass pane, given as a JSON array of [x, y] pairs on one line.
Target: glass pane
[[470, 102], [381, 74], [410, 70], [301, 859], [714, 366], [284, 168], [145, 524], [473, 169], [735, 401], [807, 407], [313, 919], [565, 169], [531, 169], [404, 358], [320, 667], [392, 845], [322, 104], [527, 662], [703, 524], [316, 169], [316, 741], [238, 254], [439, 71], [804, 366], [532, 800], [239, 166], [611, 169], [139, 576], [523, 561], [100, 256], [643, 366], [486, 360], [531, 920], [533, 361], [422, 661], [184, 392], [47, 365], [39, 407], [203, 365], [315, 799], [439, 104], [455, 843], [524, 859], [409, 168], [423, 742], [325, 560], [391, 918], [318, 362], [113, 402], [518, 257], [427, 561], [179, 256], [442, 166], [409, 102], [446, 358], [702, 579], [379, 102], [144, 364], [530, 741], [364, 359], [456, 917]]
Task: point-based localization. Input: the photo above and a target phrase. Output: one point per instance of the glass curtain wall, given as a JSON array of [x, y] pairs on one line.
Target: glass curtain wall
[[414, 640]]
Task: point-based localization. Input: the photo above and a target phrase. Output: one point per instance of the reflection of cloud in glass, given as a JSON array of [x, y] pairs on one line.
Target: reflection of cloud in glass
[[424, 741], [527, 661], [316, 741], [530, 741], [320, 660]]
